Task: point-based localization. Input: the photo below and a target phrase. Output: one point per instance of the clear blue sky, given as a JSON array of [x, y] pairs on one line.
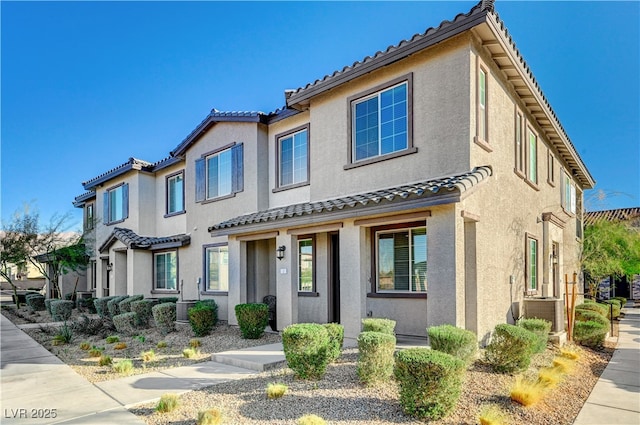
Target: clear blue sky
[[86, 85]]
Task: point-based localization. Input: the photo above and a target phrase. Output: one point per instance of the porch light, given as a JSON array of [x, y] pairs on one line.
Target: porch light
[[280, 252], [109, 267]]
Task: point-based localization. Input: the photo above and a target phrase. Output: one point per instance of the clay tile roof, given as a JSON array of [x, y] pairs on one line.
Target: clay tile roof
[[80, 200], [434, 187], [131, 164], [621, 214], [134, 241]]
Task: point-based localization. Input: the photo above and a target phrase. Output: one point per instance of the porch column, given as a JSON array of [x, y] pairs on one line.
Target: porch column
[[237, 293], [286, 282], [445, 302], [354, 277]]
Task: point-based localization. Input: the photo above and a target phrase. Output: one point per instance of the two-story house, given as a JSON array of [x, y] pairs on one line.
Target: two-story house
[[431, 183]]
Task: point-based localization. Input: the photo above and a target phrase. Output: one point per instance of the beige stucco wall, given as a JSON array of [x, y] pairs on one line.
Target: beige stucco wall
[[172, 225]]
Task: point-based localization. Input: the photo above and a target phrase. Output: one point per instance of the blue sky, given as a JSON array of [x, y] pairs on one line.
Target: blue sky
[[86, 85]]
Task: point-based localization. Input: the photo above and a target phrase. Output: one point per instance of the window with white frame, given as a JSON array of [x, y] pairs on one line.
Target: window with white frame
[[568, 194], [293, 157], [216, 268], [116, 204], [519, 144], [220, 173], [89, 218], [380, 122], [532, 154], [305, 265], [401, 260], [531, 264], [175, 193], [551, 169], [482, 104], [165, 266]]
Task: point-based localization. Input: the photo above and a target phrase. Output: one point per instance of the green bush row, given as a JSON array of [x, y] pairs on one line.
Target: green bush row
[[142, 309], [203, 317], [375, 324], [125, 323], [457, 342], [114, 305], [252, 319], [101, 306], [588, 315], [61, 310], [125, 305], [165, 316], [35, 302], [590, 333], [511, 348], [375, 357], [541, 328]]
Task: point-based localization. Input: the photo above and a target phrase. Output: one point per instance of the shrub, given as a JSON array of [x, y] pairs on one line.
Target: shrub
[[165, 316], [101, 306], [549, 376], [168, 403], [125, 323], [375, 357], [114, 304], [623, 301], [541, 328], [597, 307], [209, 417], [311, 420], [276, 391], [590, 334], [120, 346], [492, 415], [148, 356], [168, 300], [88, 326], [161, 344], [112, 339], [202, 318], [190, 353], [616, 308], [86, 305], [142, 309], [64, 335], [194, 343], [306, 347], [589, 315], [71, 296], [252, 319], [47, 304], [374, 324], [511, 348], [35, 302], [430, 382], [85, 346], [140, 338], [526, 392], [125, 305], [124, 367], [336, 339], [449, 339], [95, 351], [105, 360], [61, 310]]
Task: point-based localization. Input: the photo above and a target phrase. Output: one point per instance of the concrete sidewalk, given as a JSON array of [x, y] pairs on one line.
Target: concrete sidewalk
[[615, 399]]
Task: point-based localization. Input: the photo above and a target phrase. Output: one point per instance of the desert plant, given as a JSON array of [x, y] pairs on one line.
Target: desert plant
[[95, 351], [86, 305], [311, 420], [85, 346], [194, 343], [252, 319], [148, 356], [527, 392], [375, 357], [64, 335], [35, 302], [430, 382], [306, 348], [590, 334], [492, 415], [276, 390], [140, 338], [124, 367], [113, 339], [209, 417], [202, 318], [570, 352], [583, 315], [336, 339], [47, 304], [61, 310], [375, 324], [511, 348], [88, 326], [120, 346], [105, 360], [142, 309], [168, 403], [101, 306], [190, 353], [165, 316], [124, 306], [549, 376], [449, 339], [161, 344], [563, 364], [541, 328]]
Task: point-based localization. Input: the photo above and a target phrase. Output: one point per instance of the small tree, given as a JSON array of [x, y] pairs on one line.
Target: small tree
[[14, 251]]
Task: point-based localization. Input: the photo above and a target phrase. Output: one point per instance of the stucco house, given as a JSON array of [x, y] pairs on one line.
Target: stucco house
[[431, 183]]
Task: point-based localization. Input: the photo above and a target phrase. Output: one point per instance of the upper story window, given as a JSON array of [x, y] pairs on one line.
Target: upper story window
[[551, 169], [401, 259], [532, 156], [519, 144], [482, 104], [175, 193], [380, 122], [220, 173], [306, 281], [89, 216], [116, 204], [531, 272], [165, 266], [293, 157], [568, 194], [216, 268]]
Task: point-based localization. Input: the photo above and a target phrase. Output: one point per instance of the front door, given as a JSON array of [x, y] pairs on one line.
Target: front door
[[334, 278]]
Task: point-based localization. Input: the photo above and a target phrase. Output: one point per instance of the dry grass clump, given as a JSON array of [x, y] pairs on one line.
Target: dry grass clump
[[190, 352], [148, 356], [492, 415], [85, 346], [105, 360], [549, 376], [124, 367], [195, 343], [311, 420], [527, 392], [167, 403], [120, 346], [275, 391], [570, 352], [563, 364], [209, 417]]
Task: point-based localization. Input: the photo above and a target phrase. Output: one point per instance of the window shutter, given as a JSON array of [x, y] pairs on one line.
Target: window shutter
[[237, 182], [105, 207], [200, 180], [125, 201]]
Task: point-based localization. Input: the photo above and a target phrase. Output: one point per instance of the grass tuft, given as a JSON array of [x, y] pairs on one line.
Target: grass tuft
[[190, 352], [148, 356], [112, 339], [85, 346], [162, 344], [105, 360], [549, 376], [194, 343], [526, 392], [209, 417], [570, 352], [275, 391], [120, 346], [492, 415], [125, 367], [563, 364], [311, 420], [167, 403]]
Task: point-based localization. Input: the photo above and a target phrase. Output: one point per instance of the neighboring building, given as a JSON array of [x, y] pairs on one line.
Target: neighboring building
[[429, 184]]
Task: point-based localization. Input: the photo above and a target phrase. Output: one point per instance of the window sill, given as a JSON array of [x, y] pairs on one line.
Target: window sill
[[290, 186], [551, 183], [111, 223], [219, 198], [567, 212], [164, 291], [215, 293], [532, 185], [531, 294], [308, 294], [519, 173], [369, 161], [394, 295], [175, 214], [483, 144]]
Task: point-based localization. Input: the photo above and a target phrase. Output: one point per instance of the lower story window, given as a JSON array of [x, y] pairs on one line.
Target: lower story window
[[305, 265], [532, 264], [166, 270], [217, 268], [402, 260]]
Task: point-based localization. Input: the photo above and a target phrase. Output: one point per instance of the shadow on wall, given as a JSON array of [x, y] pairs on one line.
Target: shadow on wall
[[516, 266]]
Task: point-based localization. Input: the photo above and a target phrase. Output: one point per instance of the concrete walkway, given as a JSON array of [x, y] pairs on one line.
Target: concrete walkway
[[615, 399]]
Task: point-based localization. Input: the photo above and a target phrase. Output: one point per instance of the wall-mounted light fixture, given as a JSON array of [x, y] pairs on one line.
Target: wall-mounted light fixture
[[280, 252], [109, 267]]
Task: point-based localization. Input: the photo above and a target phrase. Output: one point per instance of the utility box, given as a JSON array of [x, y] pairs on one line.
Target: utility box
[[551, 309]]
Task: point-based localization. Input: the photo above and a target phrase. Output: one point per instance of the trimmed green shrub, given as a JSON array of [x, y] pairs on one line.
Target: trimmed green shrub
[[61, 310], [252, 319], [165, 316], [35, 302], [616, 308], [449, 339], [590, 334], [588, 315], [623, 301], [336, 339], [167, 300], [71, 296], [306, 348], [47, 304], [375, 357], [101, 306], [541, 328], [114, 305], [125, 323], [142, 309], [430, 382], [375, 324], [597, 307], [125, 305], [86, 305], [589, 301], [203, 317], [511, 348]]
